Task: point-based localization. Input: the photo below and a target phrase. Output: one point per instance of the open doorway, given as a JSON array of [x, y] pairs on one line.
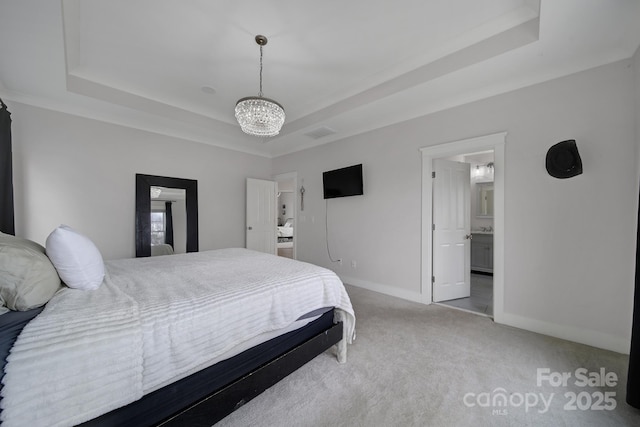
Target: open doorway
[[479, 297], [287, 202], [494, 144]]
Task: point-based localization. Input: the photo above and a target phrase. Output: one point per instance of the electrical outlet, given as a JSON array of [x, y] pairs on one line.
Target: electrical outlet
[[353, 263], [340, 261]]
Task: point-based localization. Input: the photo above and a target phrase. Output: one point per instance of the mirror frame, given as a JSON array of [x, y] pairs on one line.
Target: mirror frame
[[143, 210]]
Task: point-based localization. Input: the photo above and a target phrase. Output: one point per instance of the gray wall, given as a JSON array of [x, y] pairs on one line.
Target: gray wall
[[570, 244], [81, 172]]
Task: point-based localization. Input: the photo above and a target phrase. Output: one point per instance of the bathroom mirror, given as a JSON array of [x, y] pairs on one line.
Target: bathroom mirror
[[484, 204], [174, 189]]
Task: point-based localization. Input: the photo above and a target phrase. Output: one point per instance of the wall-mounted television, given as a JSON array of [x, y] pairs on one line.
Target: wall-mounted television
[[343, 182]]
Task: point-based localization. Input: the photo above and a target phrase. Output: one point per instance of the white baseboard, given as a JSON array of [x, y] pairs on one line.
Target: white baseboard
[[569, 333], [383, 289]]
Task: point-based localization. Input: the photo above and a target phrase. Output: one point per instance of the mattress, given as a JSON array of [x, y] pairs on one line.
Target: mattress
[[163, 403], [11, 324], [155, 321]]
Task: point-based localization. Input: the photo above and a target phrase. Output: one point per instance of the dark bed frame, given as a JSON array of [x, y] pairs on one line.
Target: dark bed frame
[[208, 396]]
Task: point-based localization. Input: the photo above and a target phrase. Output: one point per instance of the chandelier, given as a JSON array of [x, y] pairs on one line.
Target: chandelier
[[258, 115], [155, 192]]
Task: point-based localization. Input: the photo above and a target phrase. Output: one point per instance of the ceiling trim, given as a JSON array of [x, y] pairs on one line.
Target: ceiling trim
[[425, 82], [139, 121], [510, 31], [513, 38]]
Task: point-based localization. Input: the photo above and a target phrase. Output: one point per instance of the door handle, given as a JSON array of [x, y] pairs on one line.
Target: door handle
[[468, 237]]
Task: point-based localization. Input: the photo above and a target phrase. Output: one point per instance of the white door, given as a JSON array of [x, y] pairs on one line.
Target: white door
[[451, 230], [261, 215]]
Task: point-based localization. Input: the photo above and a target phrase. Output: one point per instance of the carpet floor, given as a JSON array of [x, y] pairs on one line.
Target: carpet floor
[[419, 365]]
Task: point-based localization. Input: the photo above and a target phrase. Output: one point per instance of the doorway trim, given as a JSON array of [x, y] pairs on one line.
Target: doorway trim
[[285, 177], [495, 142]]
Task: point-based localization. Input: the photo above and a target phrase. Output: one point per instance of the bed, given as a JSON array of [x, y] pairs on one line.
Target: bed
[[172, 340], [161, 249], [285, 230]]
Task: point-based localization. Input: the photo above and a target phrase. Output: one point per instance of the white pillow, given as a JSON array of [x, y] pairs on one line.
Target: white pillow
[[75, 257]]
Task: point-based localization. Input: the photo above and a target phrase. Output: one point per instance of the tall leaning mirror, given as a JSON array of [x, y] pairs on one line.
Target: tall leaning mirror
[[166, 215]]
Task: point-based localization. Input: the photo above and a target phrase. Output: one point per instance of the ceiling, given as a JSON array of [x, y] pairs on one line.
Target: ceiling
[[339, 68]]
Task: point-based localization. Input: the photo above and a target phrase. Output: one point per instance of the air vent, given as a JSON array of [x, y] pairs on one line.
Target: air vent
[[320, 132]]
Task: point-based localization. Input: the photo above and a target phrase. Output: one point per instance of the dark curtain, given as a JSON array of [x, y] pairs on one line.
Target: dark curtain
[[168, 218], [7, 224], [633, 379]]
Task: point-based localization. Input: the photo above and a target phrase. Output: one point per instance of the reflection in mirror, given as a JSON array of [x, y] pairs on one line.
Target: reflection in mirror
[[166, 215], [485, 200], [286, 207], [168, 221]]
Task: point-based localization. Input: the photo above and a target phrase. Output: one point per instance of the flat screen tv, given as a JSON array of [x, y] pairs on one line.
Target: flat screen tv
[[343, 182]]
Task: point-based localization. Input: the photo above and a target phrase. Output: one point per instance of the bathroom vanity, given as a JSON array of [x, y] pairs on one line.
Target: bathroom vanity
[[482, 252]]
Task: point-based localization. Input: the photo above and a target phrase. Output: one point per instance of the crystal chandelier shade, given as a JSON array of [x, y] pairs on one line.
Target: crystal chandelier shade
[[258, 115]]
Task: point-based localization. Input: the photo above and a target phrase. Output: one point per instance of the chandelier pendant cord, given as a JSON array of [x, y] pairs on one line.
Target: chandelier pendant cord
[[260, 92]]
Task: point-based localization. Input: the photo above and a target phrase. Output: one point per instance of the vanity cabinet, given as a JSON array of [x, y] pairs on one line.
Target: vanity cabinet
[[482, 252]]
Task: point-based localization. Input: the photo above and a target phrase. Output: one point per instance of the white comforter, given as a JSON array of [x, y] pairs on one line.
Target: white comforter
[[152, 321]]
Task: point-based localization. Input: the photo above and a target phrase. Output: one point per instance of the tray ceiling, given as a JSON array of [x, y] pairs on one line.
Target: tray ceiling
[[338, 68]]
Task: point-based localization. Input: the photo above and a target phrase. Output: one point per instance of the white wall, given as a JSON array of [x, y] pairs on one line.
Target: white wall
[[81, 172], [380, 230], [570, 244]]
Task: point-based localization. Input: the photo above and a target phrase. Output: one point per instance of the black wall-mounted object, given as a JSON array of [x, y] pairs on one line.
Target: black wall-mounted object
[[343, 182], [563, 160], [7, 220], [633, 374]]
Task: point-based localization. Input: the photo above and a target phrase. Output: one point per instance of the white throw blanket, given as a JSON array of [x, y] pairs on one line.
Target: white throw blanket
[[151, 322]]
